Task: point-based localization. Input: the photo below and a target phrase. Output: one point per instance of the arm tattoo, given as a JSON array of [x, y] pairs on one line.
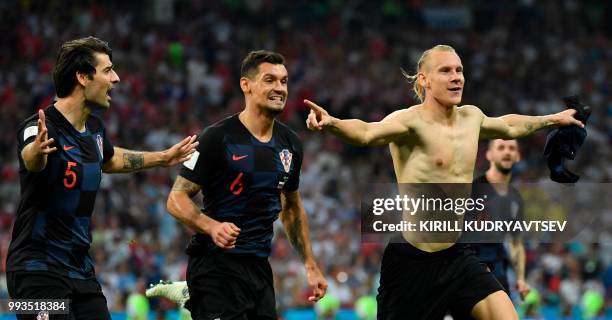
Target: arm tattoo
[[133, 161], [296, 236], [185, 186]]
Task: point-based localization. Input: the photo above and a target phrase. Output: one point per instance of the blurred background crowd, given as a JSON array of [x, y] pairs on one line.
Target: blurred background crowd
[[179, 66]]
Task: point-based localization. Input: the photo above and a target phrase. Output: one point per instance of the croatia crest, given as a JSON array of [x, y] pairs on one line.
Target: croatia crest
[[100, 145], [285, 157]]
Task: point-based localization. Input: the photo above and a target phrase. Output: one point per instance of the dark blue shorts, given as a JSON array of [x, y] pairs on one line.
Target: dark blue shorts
[[86, 299]]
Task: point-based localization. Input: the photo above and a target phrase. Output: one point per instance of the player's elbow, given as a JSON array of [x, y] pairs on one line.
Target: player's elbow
[[513, 133], [172, 204], [365, 140]]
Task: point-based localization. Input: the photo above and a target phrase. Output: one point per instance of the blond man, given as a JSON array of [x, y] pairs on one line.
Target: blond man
[[436, 141]]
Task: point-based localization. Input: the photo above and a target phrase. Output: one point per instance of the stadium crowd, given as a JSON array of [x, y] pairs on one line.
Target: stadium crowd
[[179, 66]]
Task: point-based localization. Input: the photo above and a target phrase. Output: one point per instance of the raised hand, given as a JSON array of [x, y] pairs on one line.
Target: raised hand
[[42, 145], [566, 118], [181, 151], [318, 117]]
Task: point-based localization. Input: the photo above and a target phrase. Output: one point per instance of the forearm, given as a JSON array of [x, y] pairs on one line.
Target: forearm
[[130, 161], [521, 125], [353, 131], [296, 227], [34, 162], [518, 259], [182, 208]]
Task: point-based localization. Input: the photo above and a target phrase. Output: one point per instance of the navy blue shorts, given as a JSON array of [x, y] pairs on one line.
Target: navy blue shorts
[[230, 286], [415, 284], [86, 299]]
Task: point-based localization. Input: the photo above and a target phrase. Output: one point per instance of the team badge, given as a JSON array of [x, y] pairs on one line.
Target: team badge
[[286, 157], [100, 145]]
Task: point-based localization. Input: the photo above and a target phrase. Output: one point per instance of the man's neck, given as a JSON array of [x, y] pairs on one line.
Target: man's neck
[[439, 112], [259, 124], [74, 110], [499, 180]]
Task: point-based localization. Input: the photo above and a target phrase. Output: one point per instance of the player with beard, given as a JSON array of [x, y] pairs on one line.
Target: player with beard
[[63, 151], [247, 167], [503, 203]]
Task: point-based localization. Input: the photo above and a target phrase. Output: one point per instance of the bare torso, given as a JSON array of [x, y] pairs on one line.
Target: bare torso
[[436, 152]]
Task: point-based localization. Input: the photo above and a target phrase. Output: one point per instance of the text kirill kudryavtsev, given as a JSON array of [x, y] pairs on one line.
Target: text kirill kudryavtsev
[[422, 205]]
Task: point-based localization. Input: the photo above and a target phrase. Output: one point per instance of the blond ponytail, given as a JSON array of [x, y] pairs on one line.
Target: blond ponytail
[[419, 91]]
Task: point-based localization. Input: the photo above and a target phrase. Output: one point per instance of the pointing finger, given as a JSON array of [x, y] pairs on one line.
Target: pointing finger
[[313, 106]]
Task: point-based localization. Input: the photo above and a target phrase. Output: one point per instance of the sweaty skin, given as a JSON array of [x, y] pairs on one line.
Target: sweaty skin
[[433, 152]]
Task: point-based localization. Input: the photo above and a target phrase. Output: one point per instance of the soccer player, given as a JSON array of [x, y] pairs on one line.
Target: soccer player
[[63, 151], [503, 203], [436, 142], [247, 167]]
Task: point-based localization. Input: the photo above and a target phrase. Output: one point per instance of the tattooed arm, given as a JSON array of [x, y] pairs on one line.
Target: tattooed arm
[[182, 208], [124, 160], [513, 126], [295, 222]]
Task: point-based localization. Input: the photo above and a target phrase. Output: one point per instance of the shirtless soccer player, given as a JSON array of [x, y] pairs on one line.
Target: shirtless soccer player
[[436, 142]]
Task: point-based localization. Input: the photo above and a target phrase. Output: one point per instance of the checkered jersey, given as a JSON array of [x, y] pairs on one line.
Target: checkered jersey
[[52, 231], [498, 207], [241, 180]]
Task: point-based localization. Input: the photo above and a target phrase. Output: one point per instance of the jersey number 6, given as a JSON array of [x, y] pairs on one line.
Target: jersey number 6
[[237, 186], [71, 178]]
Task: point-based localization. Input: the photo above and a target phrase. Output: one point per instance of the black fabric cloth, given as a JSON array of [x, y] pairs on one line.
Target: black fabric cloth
[[86, 301], [415, 284], [242, 179], [52, 230], [563, 143], [230, 286]]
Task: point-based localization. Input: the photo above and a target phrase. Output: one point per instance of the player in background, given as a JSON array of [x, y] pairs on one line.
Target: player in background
[[503, 203]]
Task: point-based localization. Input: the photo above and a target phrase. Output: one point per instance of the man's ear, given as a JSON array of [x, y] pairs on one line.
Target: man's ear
[[488, 154], [82, 78], [245, 84], [422, 79]]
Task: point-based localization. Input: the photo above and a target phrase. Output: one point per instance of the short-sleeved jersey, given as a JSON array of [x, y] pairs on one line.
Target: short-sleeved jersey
[[508, 207], [52, 231], [241, 180]]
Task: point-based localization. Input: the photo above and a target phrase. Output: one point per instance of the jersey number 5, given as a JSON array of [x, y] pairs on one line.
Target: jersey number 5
[[70, 178]]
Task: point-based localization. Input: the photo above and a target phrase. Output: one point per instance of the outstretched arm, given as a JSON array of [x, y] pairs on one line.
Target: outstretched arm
[[513, 126], [356, 131], [295, 221], [124, 160], [182, 208]]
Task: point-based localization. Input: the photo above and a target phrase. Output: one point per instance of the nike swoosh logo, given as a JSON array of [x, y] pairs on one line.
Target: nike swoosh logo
[[236, 158], [67, 148]]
